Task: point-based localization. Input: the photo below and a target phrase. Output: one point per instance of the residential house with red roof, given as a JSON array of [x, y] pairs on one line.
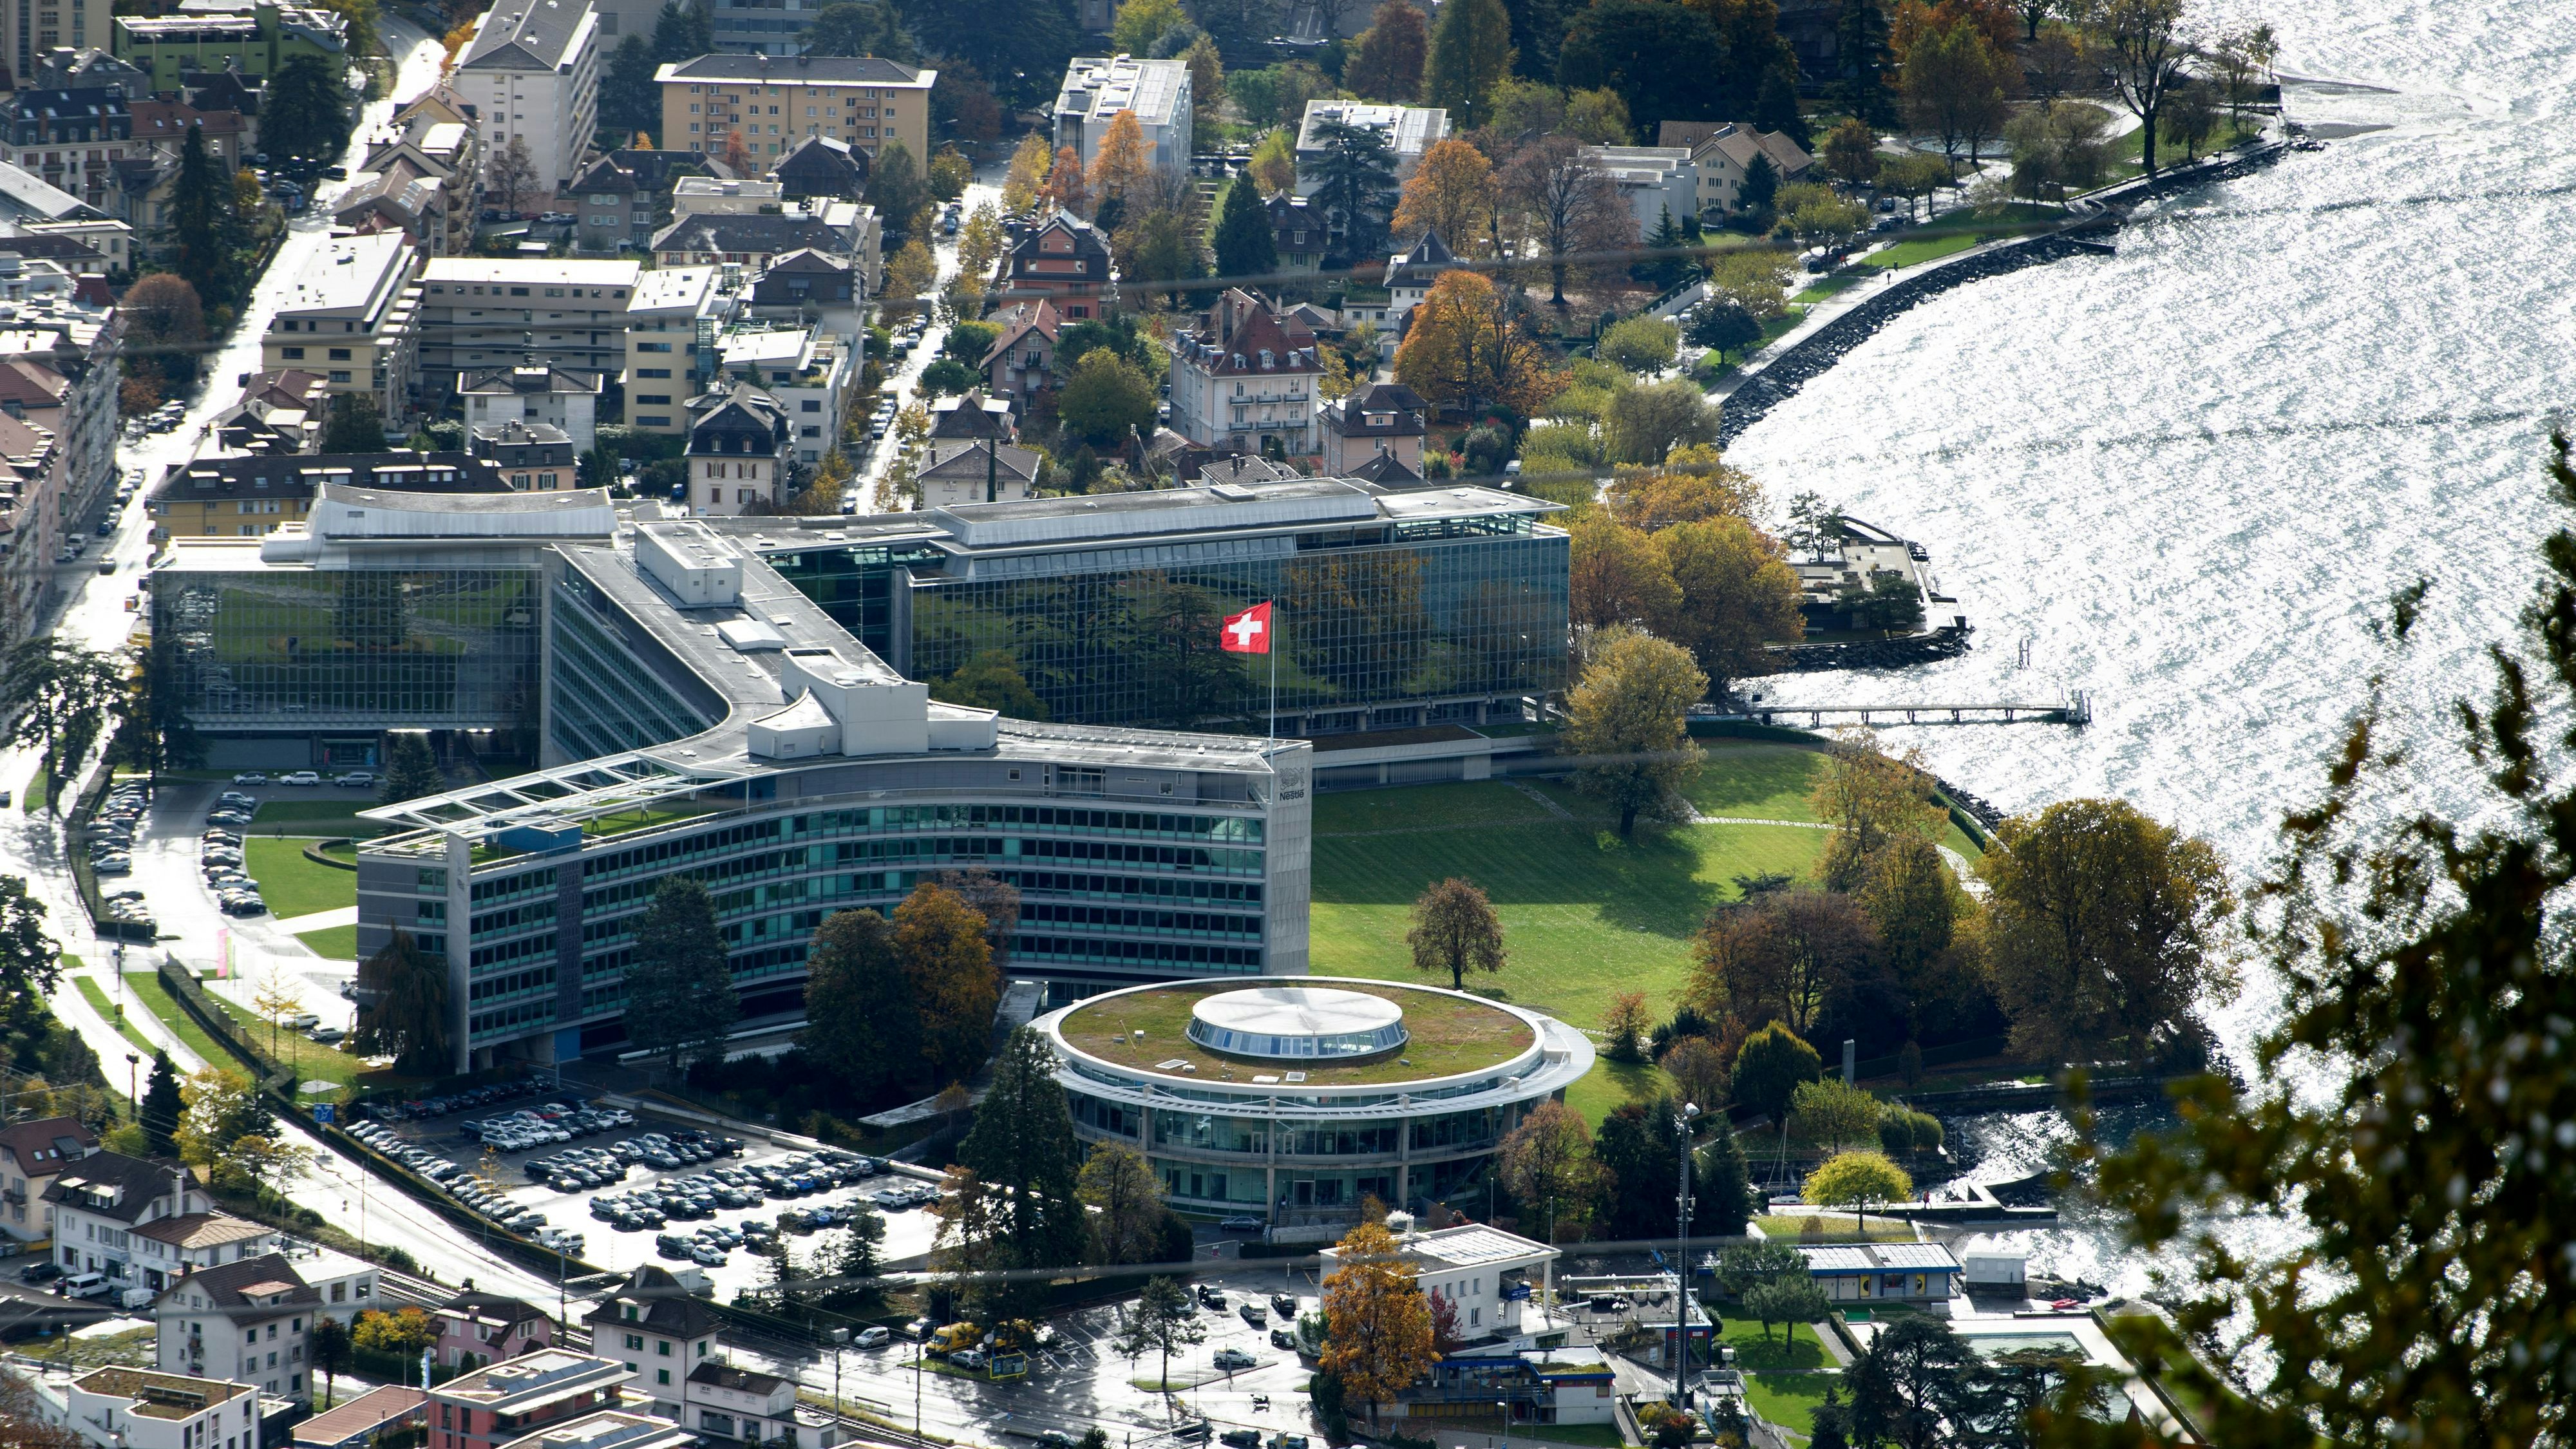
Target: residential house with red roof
[[1245, 378]]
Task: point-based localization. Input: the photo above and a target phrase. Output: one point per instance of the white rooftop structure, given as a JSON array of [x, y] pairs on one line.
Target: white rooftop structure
[[1297, 1022], [535, 272], [348, 274], [1409, 131], [1097, 88]]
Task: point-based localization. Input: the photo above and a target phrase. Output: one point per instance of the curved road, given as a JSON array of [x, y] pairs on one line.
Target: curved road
[[90, 609]]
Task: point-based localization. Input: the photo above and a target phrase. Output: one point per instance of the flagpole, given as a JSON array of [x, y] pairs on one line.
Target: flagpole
[[1274, 673]]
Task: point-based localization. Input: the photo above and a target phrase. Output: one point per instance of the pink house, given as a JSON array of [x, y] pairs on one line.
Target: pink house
[[480, 1328]]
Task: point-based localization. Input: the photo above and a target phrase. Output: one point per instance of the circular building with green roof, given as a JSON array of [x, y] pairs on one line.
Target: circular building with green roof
[[1294, 1099]]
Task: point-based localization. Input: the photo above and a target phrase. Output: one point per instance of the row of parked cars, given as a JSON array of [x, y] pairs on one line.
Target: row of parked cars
[[219, 855], [354, 779], [540, 1126], [485, 1202], [414, 1108], [112, 830], [704, 1194]]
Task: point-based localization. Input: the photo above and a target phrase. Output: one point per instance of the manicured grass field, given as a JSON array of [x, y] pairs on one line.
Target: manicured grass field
[[292, 885], [336, 943], [1585, 915], [1824, 287], [1790, 1346], [312, 1061], [313, 817], [1919, 250], [1448, 1035], [1789, 1399]]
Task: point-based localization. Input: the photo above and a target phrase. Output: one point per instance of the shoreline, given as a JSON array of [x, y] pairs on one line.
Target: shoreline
[[1755, 391]]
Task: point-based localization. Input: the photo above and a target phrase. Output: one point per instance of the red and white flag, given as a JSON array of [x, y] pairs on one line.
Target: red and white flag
[[1248, 632]]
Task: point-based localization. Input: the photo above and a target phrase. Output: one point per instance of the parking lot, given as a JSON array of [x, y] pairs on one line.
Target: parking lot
[[631, 1188]]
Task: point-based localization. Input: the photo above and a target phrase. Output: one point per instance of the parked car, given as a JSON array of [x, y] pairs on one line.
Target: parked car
[[1233, 1358], [300, 777], [1241, 1223], [355, 779], [871, 1337], [250, 777]]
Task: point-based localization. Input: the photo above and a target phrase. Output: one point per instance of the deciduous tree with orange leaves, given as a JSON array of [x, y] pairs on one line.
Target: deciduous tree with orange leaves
[[1464, 349], [1453, 192], [1377, 1338], [1120, 168], [1065, 185]]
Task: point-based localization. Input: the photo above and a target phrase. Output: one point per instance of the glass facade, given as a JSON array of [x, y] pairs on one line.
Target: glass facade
[[446, 648], [601, 700], [1372, 616]]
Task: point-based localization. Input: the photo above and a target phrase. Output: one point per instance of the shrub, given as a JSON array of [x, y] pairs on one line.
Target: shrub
[[1640, 344], [1565, 440]]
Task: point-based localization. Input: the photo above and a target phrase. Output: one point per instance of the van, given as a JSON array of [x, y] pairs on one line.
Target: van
[[137, 1298], [85, 1285], [952, 1338]]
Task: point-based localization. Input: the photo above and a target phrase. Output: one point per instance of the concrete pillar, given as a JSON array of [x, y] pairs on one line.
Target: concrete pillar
[[1851, 1059]]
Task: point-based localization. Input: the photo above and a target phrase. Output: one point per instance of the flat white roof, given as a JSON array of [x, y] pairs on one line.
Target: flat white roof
[[1297, 1011], [525, 271], [349, 274], [672, 288]]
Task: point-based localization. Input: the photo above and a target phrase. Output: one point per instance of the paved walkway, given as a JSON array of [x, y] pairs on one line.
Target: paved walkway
[[319, 921]]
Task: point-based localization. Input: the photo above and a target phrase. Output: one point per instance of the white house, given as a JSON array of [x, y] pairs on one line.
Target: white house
[[1722, 158], [532, 73], [1471, 1267], [533, 394], [1246, 376], [1656, 181], [1409, 131], [104, 1203], [127, 1408], [1097, 88]]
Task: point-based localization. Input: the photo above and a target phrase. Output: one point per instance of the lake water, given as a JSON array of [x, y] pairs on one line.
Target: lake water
[[2192, 474]]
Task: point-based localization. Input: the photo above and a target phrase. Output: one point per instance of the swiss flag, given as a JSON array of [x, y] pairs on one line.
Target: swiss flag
[[1247, 632]]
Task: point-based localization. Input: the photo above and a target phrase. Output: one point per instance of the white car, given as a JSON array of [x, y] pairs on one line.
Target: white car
[[875, 1337], [361, 779], [300, 777], [251, 777]]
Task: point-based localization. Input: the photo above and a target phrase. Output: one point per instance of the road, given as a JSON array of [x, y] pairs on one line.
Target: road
[[900, 380], [91, 610]]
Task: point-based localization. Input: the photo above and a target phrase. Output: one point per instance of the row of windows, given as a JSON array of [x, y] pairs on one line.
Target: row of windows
[[493, 889], [493, 923], [514, 984], [490, 1022], [487, 957]]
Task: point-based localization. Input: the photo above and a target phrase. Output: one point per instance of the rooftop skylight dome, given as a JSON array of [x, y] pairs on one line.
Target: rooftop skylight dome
[[1297, 1023]]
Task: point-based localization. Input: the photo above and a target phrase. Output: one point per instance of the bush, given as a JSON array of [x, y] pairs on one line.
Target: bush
[[1486, 447], [1904, 1132], [1565, 440], [634, 444]]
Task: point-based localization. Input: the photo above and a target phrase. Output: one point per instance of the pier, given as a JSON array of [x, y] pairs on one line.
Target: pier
[[2077, 712]]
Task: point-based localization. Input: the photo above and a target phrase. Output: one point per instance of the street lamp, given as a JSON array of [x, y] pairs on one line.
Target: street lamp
[[1681, 1252], [840, 1339], [1506, 1407], [133, 1087]]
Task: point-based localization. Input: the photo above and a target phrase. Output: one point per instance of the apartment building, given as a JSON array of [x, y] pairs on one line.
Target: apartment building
[[249, 497], [673, 310], [256, 42], [812, 286], [808, 370], [661, 1332], [351, 316], [133, 1408], [532, 73], [533, 393], [73, 138], [478, 312], [1409, 131], [1099, 89], [32, 519], [1245, 377], [514, 1399], [1065, 259], [69, 330], [36, 27], [100, 1201], [771, 104], [428, 168], [741, 443], [32, 1153], [625, 196]]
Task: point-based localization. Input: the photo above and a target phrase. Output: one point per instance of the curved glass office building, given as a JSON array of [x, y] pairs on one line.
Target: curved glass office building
[[1296, 1101]]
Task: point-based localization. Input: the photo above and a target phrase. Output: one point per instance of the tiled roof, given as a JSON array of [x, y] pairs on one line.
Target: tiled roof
[[799, 70], [43, 1145], [135, 1183]]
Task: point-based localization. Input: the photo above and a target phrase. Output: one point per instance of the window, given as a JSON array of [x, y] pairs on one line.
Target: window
[[652, 372], [339, 354], [636, 1340], [339, 375], [295, 353], [661, 1376]]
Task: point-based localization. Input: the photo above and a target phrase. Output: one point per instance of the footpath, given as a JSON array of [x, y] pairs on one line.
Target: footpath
[[1835, 325]]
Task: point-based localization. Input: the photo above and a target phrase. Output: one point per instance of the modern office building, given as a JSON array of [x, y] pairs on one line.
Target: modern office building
[[1298, 1102], [1429, 606], [349, 315], [771, 104], [1100, 88], [693, 711]]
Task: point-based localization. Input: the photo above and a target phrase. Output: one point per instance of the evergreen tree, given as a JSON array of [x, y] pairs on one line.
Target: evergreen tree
[[159, 1114], [1725, 1183], [1245, 249], [300, 111], [1860, 39], [1638, 1147], [679, 990], [355, 425], [629, 99], [1023, 1141], [682, 31], [202, 225], [861, 1027], [411, 771], [1355, 177], [1471, 49]]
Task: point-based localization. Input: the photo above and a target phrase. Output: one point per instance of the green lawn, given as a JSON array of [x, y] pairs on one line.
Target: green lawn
[[1789, 1346], [313, 817], [337, 943], [1824, 287], [1586, 916], [1838, 1225], [96, 996], [292, 885], [311, 1060], [1789, 1399], [1917, 251]]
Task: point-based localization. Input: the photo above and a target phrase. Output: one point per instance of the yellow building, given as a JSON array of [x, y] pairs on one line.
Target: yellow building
[[249, 497], [349, 317], [772, 102]]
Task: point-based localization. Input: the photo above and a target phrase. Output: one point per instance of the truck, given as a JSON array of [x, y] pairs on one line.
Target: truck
[[952, 1338]]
